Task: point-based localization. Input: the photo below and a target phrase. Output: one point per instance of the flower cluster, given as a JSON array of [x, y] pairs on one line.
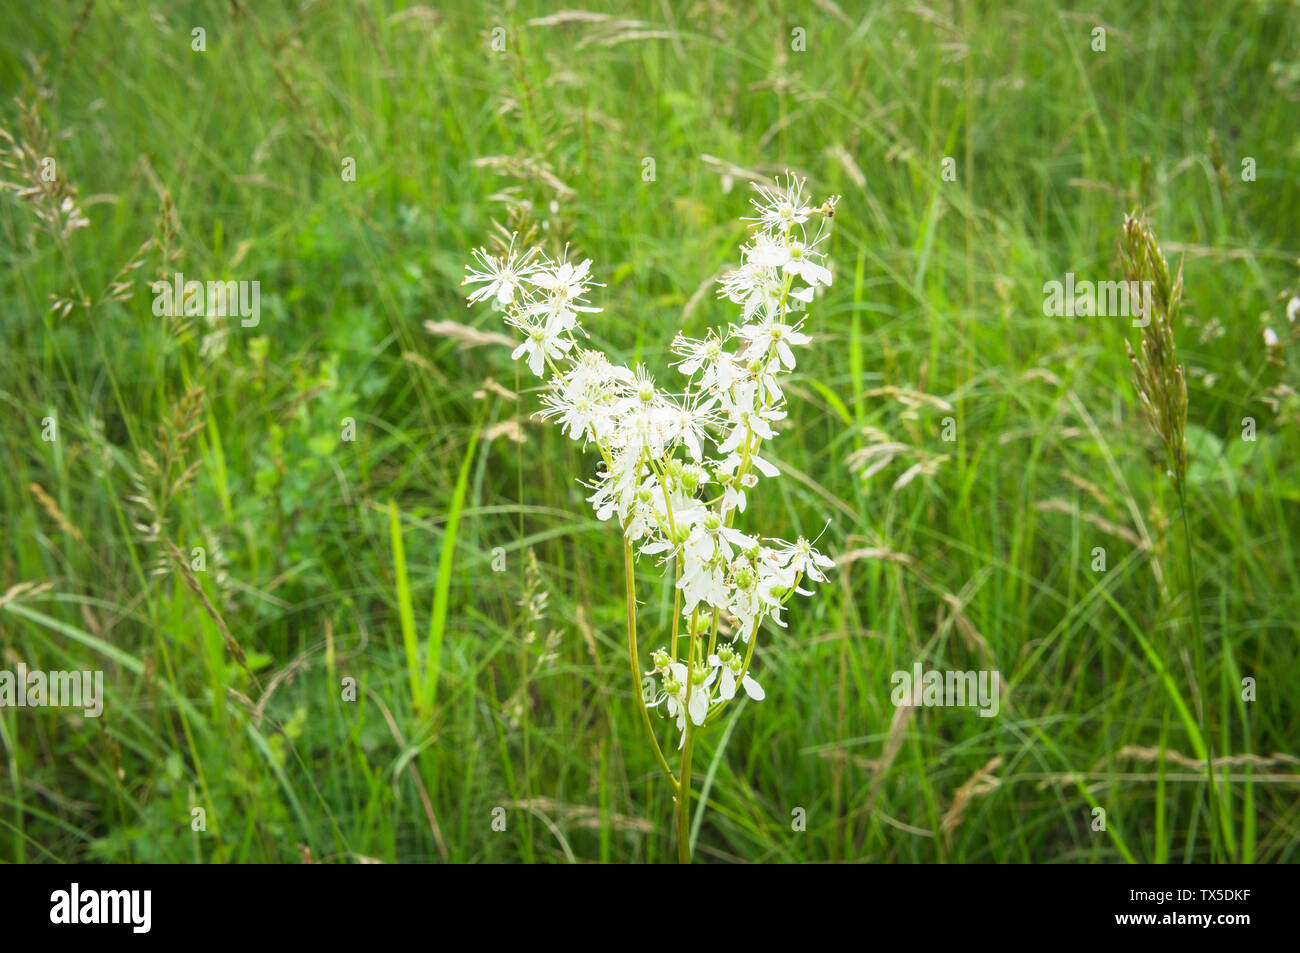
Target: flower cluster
[[677, 466]]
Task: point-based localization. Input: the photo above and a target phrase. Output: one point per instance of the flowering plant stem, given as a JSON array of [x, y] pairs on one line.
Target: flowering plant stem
[[1220, 816], [681, 788], [1162, 393], [630, 573], [677, 467], [684, 799]]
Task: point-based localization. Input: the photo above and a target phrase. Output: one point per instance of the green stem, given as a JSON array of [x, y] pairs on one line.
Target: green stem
[[677, 609], [684, 798], [636, 668], [688, 747], [1218, 821]]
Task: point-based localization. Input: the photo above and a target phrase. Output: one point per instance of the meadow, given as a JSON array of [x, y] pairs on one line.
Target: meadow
[[346, 592]]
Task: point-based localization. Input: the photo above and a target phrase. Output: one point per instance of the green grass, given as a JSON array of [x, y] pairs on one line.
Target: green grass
[[322, 553]]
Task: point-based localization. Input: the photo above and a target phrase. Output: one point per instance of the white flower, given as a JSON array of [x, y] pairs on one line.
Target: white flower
[[640, 522], [584, 400], [711, 537], [747, 608], [696, 354], [593, 368], [769, 383], [720, 370], [802, 262], [685, 693], [801, 557], [1270, 338], [733, 492], [685, 513], [779, 209], [766, 255], [687, 422], [564, 284], [704, 577], [756, 283], [579, 415], [793, 257], [747, 417], [1293, 309], [729, 664], [674, 680], [770, 335], [542, 340], [775, 585], [616, 489], [500, 275]]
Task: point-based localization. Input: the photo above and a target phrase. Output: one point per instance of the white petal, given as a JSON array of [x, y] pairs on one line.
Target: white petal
[[699, 707], [728, 689]]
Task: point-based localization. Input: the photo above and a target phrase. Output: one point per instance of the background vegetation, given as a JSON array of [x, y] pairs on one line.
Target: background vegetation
[[329, 559]]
